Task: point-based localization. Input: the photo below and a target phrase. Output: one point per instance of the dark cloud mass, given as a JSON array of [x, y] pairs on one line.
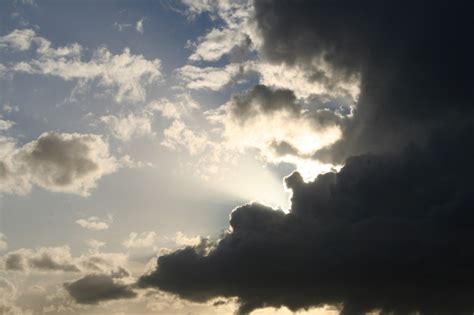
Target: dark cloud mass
[[95, 288], [393, 229], [414, 60]]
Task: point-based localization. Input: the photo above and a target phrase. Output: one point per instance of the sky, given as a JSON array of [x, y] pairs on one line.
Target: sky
[[236, 157]]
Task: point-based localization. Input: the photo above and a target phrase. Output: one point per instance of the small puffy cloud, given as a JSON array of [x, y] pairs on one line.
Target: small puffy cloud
[[183, 240], [5, 124], [127, 127], [181, 106], [42, 259], [211, 78], [3, 242], [18, 39], [93, 224], [140, 122], [217, 43], [139, 26], [62, 162], [141, 240], [95, 288], [178, 135]]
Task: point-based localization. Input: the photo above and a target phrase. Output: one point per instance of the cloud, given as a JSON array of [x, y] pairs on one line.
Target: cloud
[[144, 239], [392, 230], [60, 259], [62, 162], [95, 288], [139, 26], [5, 124], [306, 130], [93, 224], [184, 240], [42, 259], [211, 78], [18, 40], [398, 102], [178, 135], [347, 239], [126, 75], [127, 127], [217, 43]]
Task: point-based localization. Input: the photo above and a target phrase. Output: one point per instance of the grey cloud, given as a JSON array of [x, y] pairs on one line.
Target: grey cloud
[[58, 162], [43, 259], [59, 259], [95, 288], [413, 61], [388, 232]]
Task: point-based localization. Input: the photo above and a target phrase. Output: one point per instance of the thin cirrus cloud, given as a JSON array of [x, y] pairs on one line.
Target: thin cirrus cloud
[[126, 74]]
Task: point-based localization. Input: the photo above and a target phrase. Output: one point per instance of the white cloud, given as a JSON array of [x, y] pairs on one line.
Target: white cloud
[[93, 224], [59, 162], [181, 239], [179, 135], [18, 40], [125, 74], [126, 127], [139, 26], [182, 106], [5, 124], [320, 80], [142, 240], [211, 78], [217, 43]]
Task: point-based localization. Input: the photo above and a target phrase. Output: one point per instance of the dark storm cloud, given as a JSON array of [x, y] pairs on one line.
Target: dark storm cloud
[[414, 60], [393, 230], [95, 288]]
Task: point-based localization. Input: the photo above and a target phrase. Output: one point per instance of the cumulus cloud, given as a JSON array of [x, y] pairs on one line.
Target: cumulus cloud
[[347, 239], [18, 40], [125, 74], [95, 288], [139, 26], [93, 224], [60, 259], [183, 240], [392, 230], [141, 240], [42, 259], [63, 162], [398, 103], [217, 43], [305, 132], [178, 135], [211, 78], [139, 123]]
